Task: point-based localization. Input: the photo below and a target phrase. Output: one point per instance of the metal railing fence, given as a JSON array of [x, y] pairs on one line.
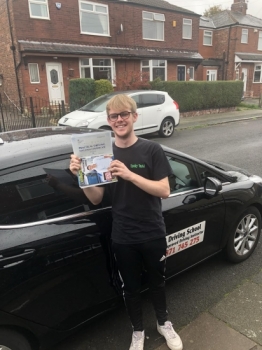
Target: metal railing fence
[[30, 112]]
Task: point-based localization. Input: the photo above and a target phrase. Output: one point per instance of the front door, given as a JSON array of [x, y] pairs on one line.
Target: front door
[[244, 78], [55, 82], [181, 73]]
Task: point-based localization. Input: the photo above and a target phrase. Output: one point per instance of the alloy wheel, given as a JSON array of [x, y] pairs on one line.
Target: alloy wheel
[[246, 234]]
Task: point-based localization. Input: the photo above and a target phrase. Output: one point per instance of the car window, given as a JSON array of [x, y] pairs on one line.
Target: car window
[[148, 100], [97, 105], [183, 177], [137, 99], [40, 192], [204, 173]]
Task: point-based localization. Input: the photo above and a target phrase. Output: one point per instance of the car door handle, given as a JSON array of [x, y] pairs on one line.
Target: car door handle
[[190, 199], [16, 259]]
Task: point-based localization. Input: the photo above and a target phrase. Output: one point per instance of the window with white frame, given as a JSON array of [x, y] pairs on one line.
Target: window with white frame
[[33, 73], [97, 68], [191, 73], [259, 47], [257, 73], [244, 36], [94, 18], [187, 28], [153, 26], [38, 9], [154, 68], [208, 37], [211, 75]]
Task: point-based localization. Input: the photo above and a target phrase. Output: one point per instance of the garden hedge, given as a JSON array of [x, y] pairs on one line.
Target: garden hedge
[[199, 95], [84, 90]]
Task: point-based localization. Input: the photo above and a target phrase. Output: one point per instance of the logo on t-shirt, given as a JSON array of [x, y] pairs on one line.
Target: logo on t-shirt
[[136, 166]]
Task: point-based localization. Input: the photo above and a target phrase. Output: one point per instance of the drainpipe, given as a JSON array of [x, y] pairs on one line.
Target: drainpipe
[[223, 65], [12, 47], [228, 47]]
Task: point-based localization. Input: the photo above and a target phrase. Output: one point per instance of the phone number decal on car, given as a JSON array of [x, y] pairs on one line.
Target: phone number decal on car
[[186, 238]]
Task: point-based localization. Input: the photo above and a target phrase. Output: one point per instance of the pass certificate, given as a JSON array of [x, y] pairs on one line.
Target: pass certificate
[[96, 153]]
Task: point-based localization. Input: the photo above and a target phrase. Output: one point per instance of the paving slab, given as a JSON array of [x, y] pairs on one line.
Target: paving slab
[[242, 310], [206, 332]]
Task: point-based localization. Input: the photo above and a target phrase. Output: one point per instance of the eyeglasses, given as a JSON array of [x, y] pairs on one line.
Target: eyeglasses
[[114, 116]]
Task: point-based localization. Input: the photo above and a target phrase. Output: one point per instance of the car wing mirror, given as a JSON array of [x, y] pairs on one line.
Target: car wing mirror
[[212, 186]]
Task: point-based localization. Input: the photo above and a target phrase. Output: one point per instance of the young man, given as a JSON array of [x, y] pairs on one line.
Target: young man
[[138, 233]]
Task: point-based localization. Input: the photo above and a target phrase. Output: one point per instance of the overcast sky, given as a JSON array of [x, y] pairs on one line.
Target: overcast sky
[[199, 6]]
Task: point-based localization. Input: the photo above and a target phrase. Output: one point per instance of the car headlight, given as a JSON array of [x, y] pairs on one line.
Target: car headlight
[[85, 122]]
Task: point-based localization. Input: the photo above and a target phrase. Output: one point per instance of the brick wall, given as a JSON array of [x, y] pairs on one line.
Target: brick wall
[[7, 67], [41, 89], [252, 45], [205, 50], [64, 26]]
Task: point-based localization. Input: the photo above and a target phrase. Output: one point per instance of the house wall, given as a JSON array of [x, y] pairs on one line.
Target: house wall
[[7, 65], [252, 45], [205, 50], [208, 52], [64, 26], [41, 89]]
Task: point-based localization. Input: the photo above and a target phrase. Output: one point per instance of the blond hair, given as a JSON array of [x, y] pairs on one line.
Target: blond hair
[[121, 101]]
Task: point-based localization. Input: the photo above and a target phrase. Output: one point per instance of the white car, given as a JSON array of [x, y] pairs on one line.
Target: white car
[[157, 111]]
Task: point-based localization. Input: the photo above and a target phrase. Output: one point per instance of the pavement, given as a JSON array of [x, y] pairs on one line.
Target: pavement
[[235, 322], [218, 118]]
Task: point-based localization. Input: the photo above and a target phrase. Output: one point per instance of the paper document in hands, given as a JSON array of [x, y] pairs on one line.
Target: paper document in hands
[[96, 153]]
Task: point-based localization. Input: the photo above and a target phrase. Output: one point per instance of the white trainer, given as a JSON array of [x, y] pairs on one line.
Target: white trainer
[[138, 339], [173, 340]]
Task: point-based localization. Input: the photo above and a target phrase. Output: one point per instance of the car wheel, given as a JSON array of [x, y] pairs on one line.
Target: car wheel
[[167, 127], [245, 235], [11, 340]]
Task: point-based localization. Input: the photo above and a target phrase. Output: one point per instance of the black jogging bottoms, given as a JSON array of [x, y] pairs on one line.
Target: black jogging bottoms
[[132, 259]]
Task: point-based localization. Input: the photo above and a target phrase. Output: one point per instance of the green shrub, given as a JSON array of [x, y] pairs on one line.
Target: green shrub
[[157, 84], [199, 95], [81, 91], [103, 87]]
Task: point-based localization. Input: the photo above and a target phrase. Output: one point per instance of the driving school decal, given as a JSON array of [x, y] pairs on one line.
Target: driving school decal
[[186, 238]]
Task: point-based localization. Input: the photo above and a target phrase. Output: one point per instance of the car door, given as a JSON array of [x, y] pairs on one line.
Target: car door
[[153, 105], [55, 262], [138, 126], [194, 222]]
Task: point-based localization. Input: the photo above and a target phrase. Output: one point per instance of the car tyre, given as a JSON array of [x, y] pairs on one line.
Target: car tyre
[[244, 237], [12, 340], [167, 127]]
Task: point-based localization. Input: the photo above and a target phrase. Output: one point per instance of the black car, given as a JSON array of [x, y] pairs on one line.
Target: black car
[[56, 267]]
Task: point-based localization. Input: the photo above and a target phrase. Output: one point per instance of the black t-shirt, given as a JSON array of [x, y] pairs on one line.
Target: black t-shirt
[[137, 215]]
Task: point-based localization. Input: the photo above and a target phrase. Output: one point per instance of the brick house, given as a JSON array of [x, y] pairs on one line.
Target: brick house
[[231, 44], [47, 43]]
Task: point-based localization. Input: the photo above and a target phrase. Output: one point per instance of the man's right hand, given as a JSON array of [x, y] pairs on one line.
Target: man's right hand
[[75, 164]]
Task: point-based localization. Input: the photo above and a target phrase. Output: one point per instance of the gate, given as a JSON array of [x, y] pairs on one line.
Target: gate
[[30, 112]]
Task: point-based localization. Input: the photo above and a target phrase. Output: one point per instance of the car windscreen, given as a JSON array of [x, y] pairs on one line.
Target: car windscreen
[[97, 105]]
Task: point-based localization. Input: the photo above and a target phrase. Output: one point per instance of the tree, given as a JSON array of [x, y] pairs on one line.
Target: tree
[[132, 81], [212, 10]]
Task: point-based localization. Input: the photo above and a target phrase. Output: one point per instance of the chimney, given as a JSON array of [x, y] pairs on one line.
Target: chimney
[[239, 6]]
